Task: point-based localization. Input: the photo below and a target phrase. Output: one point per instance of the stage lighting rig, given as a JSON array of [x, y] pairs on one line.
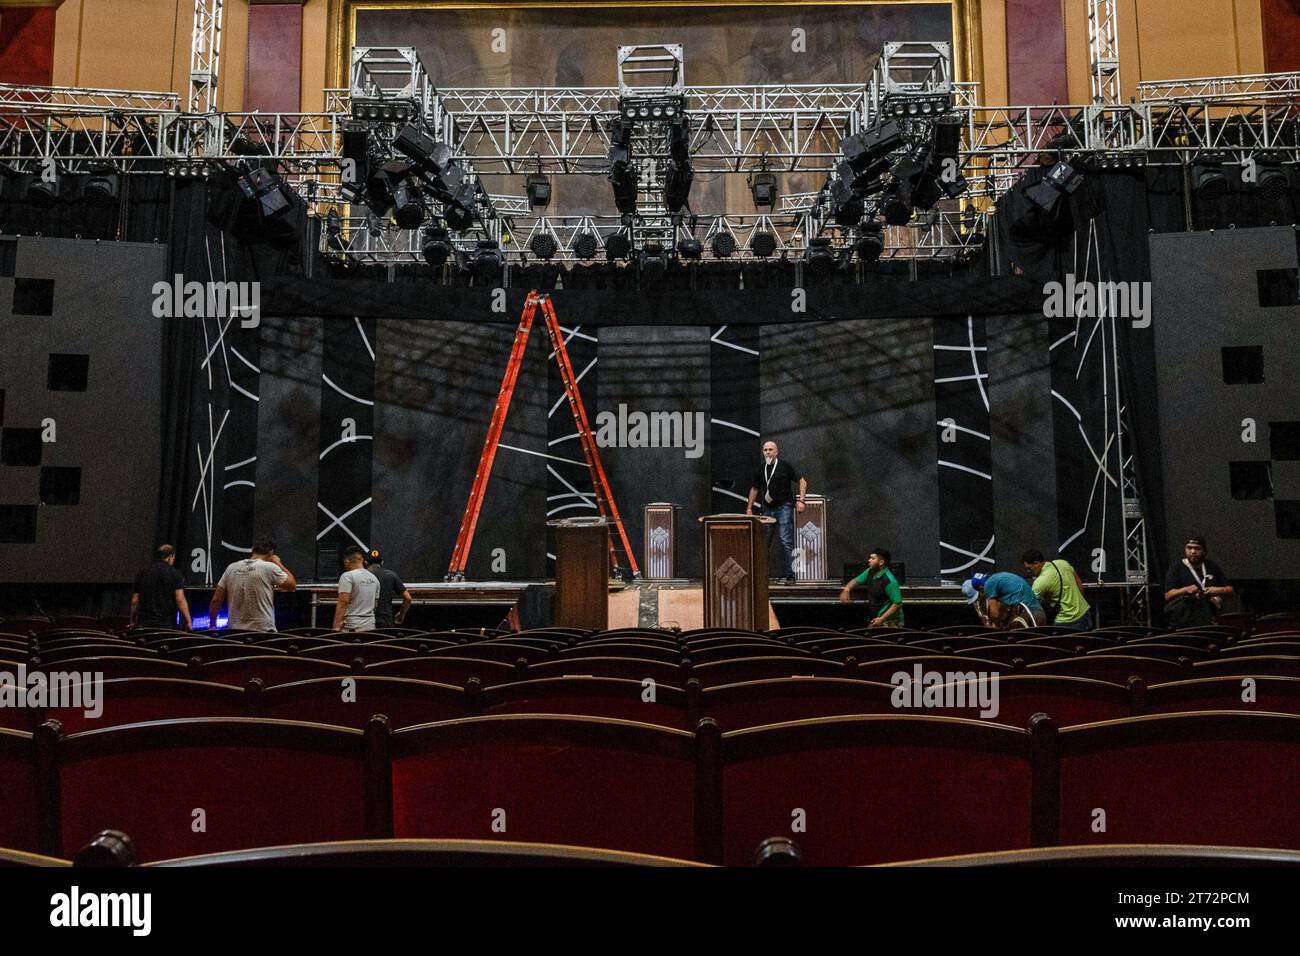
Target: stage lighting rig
[[762, 244], [487, 262], [724, 244], [436, 247], [1208, 178], [912, 106], [378, 110], [762, 186], [101, 188], [1061, 180], [678, 175], [538, 188], [43, 192], [653, 262], [867, 153], [845, 203], [408, 205], [690, 249], [821, 259], [651, 109], [1271, 177], [622, 173], [266, 188], [334, 232], [543, 246], [617, 246], [870, 242], [585, 245]]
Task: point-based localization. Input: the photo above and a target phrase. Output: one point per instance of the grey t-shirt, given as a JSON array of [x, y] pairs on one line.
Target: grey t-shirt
[[364, 590], [250, 593]]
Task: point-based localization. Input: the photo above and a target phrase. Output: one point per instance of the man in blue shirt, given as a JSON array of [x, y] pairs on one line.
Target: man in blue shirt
[[1004, 600]]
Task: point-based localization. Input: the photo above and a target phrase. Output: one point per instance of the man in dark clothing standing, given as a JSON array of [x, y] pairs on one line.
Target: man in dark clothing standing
[[390, 586], [159, 592], [1194, 587], [775, 483]]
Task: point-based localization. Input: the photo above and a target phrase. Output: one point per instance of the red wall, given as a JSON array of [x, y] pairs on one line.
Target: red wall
[[274, 77], [1281, 35], [1036, 53], [27, 45]]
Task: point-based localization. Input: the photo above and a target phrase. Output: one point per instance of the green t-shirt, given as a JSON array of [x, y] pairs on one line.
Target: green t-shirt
[[883, 593], [1058, 584]]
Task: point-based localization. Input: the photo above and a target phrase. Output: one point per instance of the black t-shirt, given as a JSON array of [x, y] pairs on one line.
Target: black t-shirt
[[157, 586], [1180, 576], [390, 586], [783, 479]]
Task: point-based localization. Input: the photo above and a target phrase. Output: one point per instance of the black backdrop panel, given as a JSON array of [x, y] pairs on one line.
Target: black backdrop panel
[[91, 303], [650, 370], [1206, 297], [288, 439], [1024, 453], [436, 387], [852, 403]]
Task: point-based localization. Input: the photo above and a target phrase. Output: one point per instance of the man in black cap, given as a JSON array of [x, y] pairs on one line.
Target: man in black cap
[[390, 585], [159, 593], [1194, 587]]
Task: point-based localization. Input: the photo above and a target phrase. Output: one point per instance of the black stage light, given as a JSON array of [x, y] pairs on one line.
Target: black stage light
[[585, 246], [678, 173], [870, 242], [1061, 180], [437, 245], [654, 261], [1271, 178], [43, 192], [622, 174], [356, 159], [894, 206], [487, 261], [868, 152], [1208, 179], [265, 187], [101, 188], [376, 110], [334, 232], [846, 204], [821, 257], [539, 191], [408, 206], [617, 246], [690, 248], [543, 246], [724, 244], [762, 244], [763, 188]]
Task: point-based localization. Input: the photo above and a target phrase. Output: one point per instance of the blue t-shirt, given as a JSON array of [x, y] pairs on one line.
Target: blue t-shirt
[[1011, 589]]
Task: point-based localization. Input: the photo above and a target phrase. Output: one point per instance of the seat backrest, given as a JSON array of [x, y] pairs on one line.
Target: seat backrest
[[741, 669], [19, 824], [1006, 653], [76, 649], [1253, 665], [446, 669], [885, 669], [638, 650], [1219, 777], [871, 789], [1113, 668], [779, 700], [250, 783], [1165, 652], [1278, 695], [114, 666], [615, 698], [269, 669], [347, 653], [627, 668], [579, 781], [743, 649], [352, 700], [1066, 700], [133, 700]]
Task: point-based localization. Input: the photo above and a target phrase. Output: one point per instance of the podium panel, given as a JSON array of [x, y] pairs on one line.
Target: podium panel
[[582, 573], [660, 541], [735, 571], [811, 535]]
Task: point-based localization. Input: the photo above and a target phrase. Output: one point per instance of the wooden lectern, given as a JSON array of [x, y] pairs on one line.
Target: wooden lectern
[[660, 560], [735, 571], [582, 573], [810, 537]]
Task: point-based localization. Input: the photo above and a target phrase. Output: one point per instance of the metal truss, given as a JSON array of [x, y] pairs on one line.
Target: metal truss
[[67, 100], [205, 56], [1222, 89], [1103, 53]]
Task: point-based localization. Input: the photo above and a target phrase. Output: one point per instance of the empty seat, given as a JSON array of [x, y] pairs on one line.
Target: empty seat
[[1066, 700], [109, 667], [1074, 643], [884, 670], [223, 651], [733, 651], [133, 700], [965, 630], [446, 669], [640, 651], [1008, 653], [778, 700], [1114, 668], [627, 668], [1278, 695], [19, 825], [1165, 652], [269, 669], [874, 651], [250, 783], [739, 670], [69, 651], [421, 644], [174, 643], [569, 780], [1264, 647], [870, 789], [951, 644], [1225, 778], [366, 653], [1121, 855], [352, 700], [508, 652], [610, 697], [1261, 665]]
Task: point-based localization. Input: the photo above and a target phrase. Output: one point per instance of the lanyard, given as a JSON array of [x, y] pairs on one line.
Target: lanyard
[[768, 475], [1200, 579]]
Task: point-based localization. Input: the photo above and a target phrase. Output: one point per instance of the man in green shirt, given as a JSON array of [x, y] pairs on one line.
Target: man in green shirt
[[1058, 586], [884, 596]]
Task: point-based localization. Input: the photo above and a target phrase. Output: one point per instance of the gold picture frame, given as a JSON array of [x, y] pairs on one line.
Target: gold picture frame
[[968, 60]]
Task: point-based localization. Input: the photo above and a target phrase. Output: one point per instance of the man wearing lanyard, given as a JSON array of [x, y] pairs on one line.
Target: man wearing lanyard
[[1194, 587], [775, 481]]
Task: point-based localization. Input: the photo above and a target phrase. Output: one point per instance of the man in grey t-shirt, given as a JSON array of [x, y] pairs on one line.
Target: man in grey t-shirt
[[250, 587], [358, 594]]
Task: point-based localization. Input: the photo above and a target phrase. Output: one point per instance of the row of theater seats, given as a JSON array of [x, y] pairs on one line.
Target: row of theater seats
[[853, 790], [115, 849]]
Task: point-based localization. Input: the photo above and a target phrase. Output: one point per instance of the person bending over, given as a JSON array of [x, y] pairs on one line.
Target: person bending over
[[1058, 586], [884, 596], [1004, 600]]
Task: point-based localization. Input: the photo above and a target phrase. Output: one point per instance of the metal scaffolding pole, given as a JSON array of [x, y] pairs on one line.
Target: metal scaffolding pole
[[205, 56]]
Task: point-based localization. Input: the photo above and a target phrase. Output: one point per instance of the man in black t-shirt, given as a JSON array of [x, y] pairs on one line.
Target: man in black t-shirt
[[1194, 587], [159, 592], [390, 586], [774, 488]]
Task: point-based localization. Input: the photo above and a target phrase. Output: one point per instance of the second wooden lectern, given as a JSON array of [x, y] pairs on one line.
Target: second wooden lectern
[[735, 571], [582, 573]]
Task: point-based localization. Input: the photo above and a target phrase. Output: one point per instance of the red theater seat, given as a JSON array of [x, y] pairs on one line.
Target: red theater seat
[[884, 670], [638, 650], [1066, 700], [754, 703], [626, 668], [326, 700], [19, 825], [1261, 665], [134, 700], [607, 697], [446, 669], [1278, 695], [856, 790], [1114, 668], [1222, 778], [742, 669], [113, 666], [570, 780], [1165, 652], [269, 669], [257, 783], [51, 656], [1007, 653], [737, 650], [366, 653], [507, 652]]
